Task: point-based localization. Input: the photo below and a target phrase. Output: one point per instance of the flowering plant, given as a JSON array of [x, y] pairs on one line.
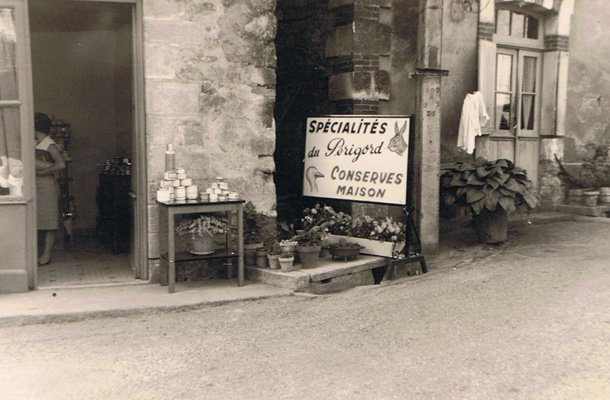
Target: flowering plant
[[315, 222], [202, 225], [323, 219], [387, 230]]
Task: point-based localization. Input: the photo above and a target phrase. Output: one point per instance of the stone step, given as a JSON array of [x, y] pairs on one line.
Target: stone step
[[331, 275], [579, 209]]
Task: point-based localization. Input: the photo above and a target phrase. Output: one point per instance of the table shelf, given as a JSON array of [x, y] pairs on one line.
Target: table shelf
[[167, 225]]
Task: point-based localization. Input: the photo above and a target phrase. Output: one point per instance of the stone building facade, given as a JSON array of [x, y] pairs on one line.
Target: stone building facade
[[230, 83]]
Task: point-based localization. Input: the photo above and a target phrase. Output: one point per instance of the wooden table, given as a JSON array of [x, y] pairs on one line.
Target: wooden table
[[167, 229]]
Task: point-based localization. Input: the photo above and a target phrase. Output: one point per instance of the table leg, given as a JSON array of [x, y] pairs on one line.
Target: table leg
[[240, 246], [172, 276], [171, 251]]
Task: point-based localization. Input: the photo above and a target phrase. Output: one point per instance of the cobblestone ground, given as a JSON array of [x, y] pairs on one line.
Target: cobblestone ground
[[528, 320]]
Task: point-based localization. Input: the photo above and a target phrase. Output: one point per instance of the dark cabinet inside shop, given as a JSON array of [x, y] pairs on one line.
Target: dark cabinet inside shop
[[114, 208]]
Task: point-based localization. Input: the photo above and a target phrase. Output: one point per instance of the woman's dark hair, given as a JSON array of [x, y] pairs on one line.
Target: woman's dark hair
[[42, 122]]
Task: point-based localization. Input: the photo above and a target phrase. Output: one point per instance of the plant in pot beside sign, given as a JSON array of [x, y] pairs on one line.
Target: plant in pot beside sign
[[286, 260], [309, 239], [379, 237], [201, 230], [273, 256], [490, 191], [252, 237], [345, 250], [309, 246]]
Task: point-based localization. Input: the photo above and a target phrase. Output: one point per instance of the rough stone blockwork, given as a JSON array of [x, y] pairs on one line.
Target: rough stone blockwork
[[210, 82], [210, 77]]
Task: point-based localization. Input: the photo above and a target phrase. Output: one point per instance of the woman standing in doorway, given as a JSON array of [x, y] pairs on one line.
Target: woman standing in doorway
[[48, 161]]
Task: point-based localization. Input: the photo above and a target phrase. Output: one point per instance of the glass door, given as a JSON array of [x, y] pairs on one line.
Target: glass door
[[517, 108]]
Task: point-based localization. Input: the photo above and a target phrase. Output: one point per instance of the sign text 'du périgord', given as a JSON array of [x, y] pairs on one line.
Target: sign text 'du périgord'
[[357, 158]]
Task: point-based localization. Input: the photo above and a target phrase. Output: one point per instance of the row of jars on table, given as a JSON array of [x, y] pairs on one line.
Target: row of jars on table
[[176, 185]]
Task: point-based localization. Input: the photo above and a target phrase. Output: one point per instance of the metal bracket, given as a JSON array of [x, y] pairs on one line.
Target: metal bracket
[[428, 71]]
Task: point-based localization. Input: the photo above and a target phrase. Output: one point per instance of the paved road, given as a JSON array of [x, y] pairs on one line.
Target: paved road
[[530, 320]]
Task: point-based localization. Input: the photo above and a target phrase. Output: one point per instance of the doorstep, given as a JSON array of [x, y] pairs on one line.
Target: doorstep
[[589, 211], [330, 276]]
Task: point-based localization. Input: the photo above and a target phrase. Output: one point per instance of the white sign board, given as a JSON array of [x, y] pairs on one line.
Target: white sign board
[[357, 158]]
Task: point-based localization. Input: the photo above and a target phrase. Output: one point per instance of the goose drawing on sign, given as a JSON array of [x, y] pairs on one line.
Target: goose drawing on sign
[[398, 144], [312, 174]]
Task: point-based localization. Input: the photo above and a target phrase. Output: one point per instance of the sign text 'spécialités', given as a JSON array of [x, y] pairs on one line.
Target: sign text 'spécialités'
[[358, 158]]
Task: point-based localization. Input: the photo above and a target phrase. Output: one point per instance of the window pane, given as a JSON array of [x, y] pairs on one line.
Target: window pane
[[503, 107], [529, 74], [504, 69], [531, 28], [11, 167], [527, 111], [8, 71], [502, 22], [517, 25]]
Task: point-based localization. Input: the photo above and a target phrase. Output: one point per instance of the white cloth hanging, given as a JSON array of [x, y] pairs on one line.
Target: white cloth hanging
[[474, 116]]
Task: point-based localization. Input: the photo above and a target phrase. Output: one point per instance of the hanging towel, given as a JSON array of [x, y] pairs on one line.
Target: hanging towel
[[474, 116]]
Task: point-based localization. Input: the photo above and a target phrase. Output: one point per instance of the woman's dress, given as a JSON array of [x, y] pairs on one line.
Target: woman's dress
[[47, 190]]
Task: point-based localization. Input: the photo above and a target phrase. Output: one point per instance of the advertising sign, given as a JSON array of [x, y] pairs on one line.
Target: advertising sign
[[357, 158]]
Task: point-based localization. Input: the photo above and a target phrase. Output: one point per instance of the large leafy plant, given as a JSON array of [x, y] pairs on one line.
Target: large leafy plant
[[487, 186], [251, 224]]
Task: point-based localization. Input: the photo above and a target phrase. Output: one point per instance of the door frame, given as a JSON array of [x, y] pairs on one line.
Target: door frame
[[25, 103], [139, 251], [139, 248]]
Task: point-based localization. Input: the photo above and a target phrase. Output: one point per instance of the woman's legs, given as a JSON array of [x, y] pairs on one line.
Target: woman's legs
[[49, 241]]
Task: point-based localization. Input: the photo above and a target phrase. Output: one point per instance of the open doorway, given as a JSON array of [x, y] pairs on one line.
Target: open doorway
[[82, 69]]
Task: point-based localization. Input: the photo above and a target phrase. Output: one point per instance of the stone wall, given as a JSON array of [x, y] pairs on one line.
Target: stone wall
[[588, 105], [460, 58], [210, 90]]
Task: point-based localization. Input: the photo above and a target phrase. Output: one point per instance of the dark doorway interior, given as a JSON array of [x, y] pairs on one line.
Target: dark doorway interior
[[302, 91], [82, 67]]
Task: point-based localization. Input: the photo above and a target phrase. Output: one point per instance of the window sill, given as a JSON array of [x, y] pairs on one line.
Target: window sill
[[12, 200]]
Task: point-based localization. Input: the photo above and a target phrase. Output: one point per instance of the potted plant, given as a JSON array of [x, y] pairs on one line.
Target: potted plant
[[286, 261], [274, 255], [590, 183], [309, 239], [344, 249], [379, 237], [597, 168], [252, 237], [288, 245], [202, 229], [261, 257], [490, 191]]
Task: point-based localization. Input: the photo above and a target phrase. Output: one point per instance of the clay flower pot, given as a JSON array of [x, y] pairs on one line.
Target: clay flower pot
[[202, 244], [261, 258], [590, 198], [250, 253], [309, 255], [287, 263], [491, 227], [274, 261]]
